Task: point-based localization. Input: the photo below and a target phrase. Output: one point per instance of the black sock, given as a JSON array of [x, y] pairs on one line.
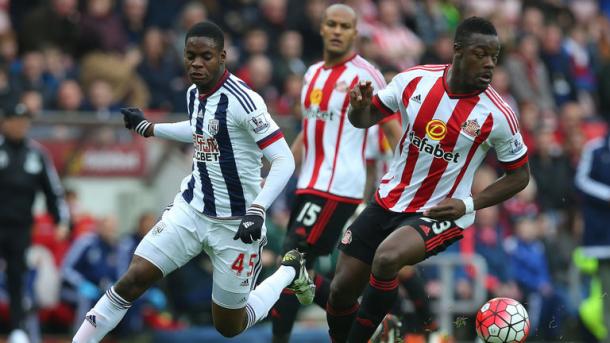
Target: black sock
[[414, 285], [322, 290], [377, 300], [339, 322], [284, 313]]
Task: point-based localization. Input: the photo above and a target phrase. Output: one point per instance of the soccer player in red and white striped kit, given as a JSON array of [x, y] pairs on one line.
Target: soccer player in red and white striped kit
[[451, 117], [332, 154]]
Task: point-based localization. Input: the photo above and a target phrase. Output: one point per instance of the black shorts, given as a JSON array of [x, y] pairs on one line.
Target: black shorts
[[376, 223], [316, 224]]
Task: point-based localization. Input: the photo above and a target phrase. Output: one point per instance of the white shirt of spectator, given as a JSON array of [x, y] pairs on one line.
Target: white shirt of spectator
[[445, 138]]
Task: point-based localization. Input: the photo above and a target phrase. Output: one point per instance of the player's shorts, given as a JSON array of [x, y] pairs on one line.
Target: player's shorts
[[376, 223], [315, 225], [182, 233]]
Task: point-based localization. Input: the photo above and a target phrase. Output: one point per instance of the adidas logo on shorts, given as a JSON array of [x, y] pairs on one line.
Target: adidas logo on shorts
[[245, 283]]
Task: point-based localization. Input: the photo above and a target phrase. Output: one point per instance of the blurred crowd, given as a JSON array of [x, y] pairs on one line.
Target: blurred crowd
[[95, 56]]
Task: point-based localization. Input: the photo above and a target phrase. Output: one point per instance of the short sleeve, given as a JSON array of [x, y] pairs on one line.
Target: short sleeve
[[387, 99], [510, 148], [259, 124]]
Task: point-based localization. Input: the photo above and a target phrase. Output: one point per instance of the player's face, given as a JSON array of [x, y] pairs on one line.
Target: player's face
[[479, 58], [202, 61], [338, 31]]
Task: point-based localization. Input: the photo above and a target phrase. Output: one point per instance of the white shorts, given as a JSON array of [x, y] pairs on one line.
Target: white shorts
[[183, 233]]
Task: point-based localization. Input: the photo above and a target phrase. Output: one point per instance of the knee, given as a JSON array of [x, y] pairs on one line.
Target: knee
[[135, 281], [227, 330], [386, 263], [341, 294]]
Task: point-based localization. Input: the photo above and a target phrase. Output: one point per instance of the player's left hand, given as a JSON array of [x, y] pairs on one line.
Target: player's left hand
[[251, 225], [448, 209]]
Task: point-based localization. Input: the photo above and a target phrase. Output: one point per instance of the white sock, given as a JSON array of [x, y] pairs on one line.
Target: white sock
[[102, 318], [265, 295]]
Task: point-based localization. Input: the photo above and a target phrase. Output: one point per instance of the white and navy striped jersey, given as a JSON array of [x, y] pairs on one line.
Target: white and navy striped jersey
[[231, 126]]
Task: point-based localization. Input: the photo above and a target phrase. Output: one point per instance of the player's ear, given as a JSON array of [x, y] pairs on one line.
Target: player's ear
[[458, 49], [223, 56]]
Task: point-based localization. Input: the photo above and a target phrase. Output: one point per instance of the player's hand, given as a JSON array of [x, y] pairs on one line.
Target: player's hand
[[361, 95], [251, 225], [448, 209], [134, 120]]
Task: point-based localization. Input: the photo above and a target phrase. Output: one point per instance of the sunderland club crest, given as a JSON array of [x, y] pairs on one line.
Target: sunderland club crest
[[213, 125], [471, 128]]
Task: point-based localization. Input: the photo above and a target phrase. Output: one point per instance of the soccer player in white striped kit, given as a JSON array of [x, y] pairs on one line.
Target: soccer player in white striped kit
[[333, 168], [220, 208], [451, 117]]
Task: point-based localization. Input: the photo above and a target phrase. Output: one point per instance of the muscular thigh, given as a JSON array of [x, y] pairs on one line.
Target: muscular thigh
[[173, 241], [236, 264]]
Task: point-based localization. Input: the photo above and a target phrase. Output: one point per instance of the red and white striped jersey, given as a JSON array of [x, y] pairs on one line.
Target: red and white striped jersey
[[333, 163], [445, 138]]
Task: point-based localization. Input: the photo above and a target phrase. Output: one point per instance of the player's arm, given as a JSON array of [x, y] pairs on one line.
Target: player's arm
[[297, 149], [134, 120], [511, 183], [278, 153], [392, 130]]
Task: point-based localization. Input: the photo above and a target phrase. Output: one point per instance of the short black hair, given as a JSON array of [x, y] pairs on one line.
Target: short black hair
[[473, 25], [207, 29]]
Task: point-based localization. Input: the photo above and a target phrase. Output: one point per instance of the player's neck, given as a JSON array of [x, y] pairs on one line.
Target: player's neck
[[331, 60], [457, 83], [205, 89]]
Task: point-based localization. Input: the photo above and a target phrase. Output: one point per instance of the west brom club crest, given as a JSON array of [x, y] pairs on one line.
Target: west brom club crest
[[471, 128], [213, 127]]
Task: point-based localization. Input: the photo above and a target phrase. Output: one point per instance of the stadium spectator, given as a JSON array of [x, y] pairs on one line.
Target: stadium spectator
[[558, 64], [194, 12], [100, 100], [398, 46], [533, 82], [90, 266], [34, 76], [553, 172], [528, 266], [25, 170], [309, 27], [120, 72], [8, 50], [273, 20], [161, 71], [440, 52], [32, 100], [102, 27], [69, 97], [593, 181], [134, 20], [289, 58], [486, 240], [54, 22], [255, 42]]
